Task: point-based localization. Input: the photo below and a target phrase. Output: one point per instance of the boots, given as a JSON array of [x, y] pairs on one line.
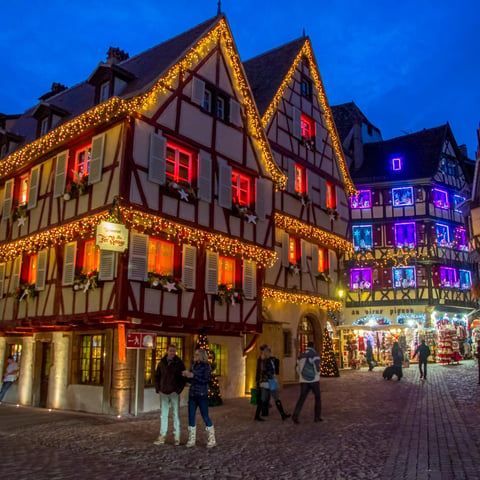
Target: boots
[[279, 405], [211, 437], [192, 436]]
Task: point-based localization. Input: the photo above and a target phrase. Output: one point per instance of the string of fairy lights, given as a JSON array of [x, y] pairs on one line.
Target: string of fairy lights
[[284, 296], [307, 51], [311, 232]]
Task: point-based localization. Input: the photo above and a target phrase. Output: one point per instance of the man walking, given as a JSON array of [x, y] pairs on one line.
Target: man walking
[[423, 352], [169, 382], [308, 369], [9, 377]]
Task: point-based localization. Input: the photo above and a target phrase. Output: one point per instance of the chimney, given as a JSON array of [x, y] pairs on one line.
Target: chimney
[[463, 149], [56, 88], [115, 55]]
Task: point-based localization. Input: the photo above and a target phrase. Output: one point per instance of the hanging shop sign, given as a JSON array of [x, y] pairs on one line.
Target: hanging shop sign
[[112, 236]]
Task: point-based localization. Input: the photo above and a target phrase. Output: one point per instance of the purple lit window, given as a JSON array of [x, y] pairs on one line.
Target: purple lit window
[[405, 235], [404, 277], [440, 199], [396, 164], [448, 277], [443, 235], [362, 237], [362, 200], [361, 279], [402, 196], [457, 200], [465, 279], [461, 239]]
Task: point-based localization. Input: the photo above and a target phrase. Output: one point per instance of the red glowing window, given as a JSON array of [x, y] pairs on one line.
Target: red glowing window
[[179, 165], [323, 263], [83, 156], [331, 196], [241, 189], [91, 257], [32, 269], [226, 271], [293, 250], [308, 127], [160, 256], [300, 179], [23, 190]]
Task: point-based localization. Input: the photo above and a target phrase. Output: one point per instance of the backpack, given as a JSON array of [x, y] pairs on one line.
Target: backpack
[[308, 371]]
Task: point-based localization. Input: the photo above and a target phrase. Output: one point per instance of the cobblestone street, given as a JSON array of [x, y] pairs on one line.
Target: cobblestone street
[[371, 429]]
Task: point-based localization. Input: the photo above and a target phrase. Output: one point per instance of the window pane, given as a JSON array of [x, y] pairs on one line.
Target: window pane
[[217, 357], [91, 258], [166, 258], [226, 273], [82, 161], [32, 269]]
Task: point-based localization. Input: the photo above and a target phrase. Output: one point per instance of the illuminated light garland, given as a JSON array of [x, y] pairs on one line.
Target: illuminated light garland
[[310, 232], [85, 228], [115, 108], [307, 51], [300, 298]]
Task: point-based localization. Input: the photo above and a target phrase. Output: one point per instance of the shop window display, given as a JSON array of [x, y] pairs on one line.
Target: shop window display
[[443, 235], [440, 199], [361, 279], [362, 200], [405, 235], [404, 277], [465, 279], [362, 237], [402, 197]]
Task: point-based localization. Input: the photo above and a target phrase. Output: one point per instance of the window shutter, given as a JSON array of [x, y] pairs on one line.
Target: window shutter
[[96, 163], [304, 246], [389, 234], [421, 276], [211, 273], [33, 187], [318, 137], [108, 262], [204, 176], [377, 236], [7, 199], [60, 174], [285, 247], [42, 261], [260, 207], [235, 113], [323, 192], [225, 186], [198, 91], [297, 123], [314, 268], [189, 267], [69, 257], [421, 237], [291, 175], [331, 264], [310, 176], [249, 279], [2, 278], [138, 257], [157, 158], [15, 281]]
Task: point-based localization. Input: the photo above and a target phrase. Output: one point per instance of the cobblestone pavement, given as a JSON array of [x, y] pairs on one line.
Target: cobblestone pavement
[[371, 429]]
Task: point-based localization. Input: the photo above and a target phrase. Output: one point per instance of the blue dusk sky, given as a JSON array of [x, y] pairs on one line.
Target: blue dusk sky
[[408, 65]]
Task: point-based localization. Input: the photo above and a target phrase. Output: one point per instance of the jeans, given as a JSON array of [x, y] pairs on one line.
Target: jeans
[[424, 372], [165, 401], [202, 404], [304, 389], [5, 387]]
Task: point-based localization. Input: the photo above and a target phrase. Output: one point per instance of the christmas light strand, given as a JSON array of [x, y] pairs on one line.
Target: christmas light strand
[[300, 298]]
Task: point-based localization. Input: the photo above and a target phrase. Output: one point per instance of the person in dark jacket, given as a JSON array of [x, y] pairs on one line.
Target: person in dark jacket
[[423, 352], [259, 381], [269, 373], [169, 383], [397, 357], [369, 356], [199, 377]]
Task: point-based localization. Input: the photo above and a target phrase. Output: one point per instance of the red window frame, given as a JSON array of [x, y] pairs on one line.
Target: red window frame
[[179, 164], [227, 269], [161, 256], [23, 187], [82, 157], [331, 196], [308, 127], [242, 191], [300, 179], [294, 252], [323, 259]]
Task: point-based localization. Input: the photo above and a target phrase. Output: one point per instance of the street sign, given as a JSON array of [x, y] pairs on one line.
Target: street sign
[[141, 340]]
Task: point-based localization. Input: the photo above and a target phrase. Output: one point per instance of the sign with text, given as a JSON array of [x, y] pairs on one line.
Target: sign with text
[[112, 236], [141, 340]]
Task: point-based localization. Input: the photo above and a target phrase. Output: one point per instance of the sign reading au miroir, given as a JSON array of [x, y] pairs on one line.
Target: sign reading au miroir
[[112, 236]]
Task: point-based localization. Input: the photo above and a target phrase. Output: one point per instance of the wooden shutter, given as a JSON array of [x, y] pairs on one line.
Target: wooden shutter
[[15, 280], [96, 163], [332, 263], [2, 278], [249, 279], [309, 176], [318, 137], [389, 234], [314, 268], [157, 158], [225, 186], [291, 175], [198, 91], [33, 187], [204, 183], [260, 207], [323, 192], [189, 266], [297, 123], [7, 199], [421, 237], [108, 262], [421, 276], [285, 248], [436, 276], [42, 262], [138, 257], [235, 113], [377, 235], [69, 257], [211, 273], [304, 246], [60, 174]]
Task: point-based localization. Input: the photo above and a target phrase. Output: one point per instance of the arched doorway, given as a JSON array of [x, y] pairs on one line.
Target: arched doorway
[[305, 334]]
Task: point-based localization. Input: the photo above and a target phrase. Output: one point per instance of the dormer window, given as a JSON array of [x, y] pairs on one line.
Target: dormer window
[[220, 108], [306, 88], [3, 150], [44, 126], [104, 92], [207, 100]]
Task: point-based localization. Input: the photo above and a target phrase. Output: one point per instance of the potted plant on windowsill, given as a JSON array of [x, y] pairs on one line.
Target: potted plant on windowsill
[[78, 186], [186, 192], [86, 281], [294, 269], [165, 282], [229, 295], [324, 276], [25, 291], [303, 197], [308, 143], [19, 213], [244, 212], [332, 213]]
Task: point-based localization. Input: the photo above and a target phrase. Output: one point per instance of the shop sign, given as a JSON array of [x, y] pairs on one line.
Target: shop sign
[[141, 340], [112, 236]]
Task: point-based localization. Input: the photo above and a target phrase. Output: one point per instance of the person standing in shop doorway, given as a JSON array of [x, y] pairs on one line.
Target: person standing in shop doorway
[[397, 357], [369, 356], [423, 352], [9, 377]]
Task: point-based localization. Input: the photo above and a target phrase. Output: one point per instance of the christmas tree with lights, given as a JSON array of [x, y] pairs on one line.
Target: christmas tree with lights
[[329, 367], [214, 396]]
